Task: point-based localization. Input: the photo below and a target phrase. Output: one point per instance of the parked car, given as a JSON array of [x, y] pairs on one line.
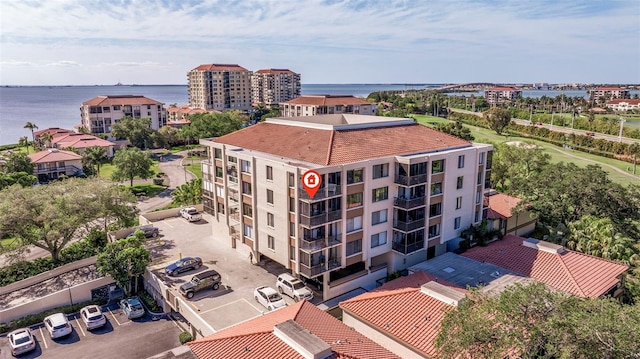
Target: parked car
[[207, 279], [57, 325], [92, 317], [538, 123], [190, 214], [21, 341], [592, 134], [132, 307], [183, 265], [269, 297], [293, 287], [149, 231]]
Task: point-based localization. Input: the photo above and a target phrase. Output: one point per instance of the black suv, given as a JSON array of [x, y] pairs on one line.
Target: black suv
[[208, 279], [149, 231]]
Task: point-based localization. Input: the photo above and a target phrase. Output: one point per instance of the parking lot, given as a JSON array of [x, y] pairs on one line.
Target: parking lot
[[233, 302], [119, 338]]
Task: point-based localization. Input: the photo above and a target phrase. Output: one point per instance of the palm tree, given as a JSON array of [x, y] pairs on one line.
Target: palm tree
[[188, 193], [598, 237], [94, 156], [46, 138], [24, 141], [32, 126]]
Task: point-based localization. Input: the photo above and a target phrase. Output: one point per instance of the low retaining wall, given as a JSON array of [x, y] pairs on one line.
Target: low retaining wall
[[147, 219]]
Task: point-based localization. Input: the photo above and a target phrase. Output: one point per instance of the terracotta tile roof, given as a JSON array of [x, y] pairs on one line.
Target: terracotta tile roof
[[400, 310], [500, 205], [274, 71], [80, 140], [605, 88], [330, 147], [220, 67], [120, 100], [254, 339], [630, 101], [53, 131], [328, 100], [571, 272], [53, 155]]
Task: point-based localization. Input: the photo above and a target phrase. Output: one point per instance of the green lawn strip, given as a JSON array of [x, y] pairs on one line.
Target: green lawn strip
[[193, 165], [8, 244], [148, 190]]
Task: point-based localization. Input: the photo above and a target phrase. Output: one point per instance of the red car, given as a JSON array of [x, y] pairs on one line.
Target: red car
[[590, 134]]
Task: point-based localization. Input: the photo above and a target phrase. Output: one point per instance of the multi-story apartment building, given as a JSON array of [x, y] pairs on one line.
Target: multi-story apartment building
[[100, 113], [609, 92], [393, 193], [220, 87], [312, 105], [497, 95], [620, 104], [273, 86]]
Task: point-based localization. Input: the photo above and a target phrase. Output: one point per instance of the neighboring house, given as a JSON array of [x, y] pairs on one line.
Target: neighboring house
[[220, 87], [498, 95], [311, 105], [80, 142], [620, 104], [54, 131], [500, 214], [610, 92], [273, 86], [296, 331], [405, 314], [393, 193], [100, 113], [565, 270], [179, 116], [53, 163]]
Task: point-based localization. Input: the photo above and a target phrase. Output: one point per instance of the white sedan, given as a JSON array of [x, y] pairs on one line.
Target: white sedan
[[92, 317], [269, 297], [21, 341]]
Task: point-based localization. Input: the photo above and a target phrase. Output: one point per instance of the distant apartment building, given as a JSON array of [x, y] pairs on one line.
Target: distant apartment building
[[311, 105], [393, 193], [178, 116], [273, 86], [220, 87], [498, 95], [610, 92], [100, 113], [620, 104]]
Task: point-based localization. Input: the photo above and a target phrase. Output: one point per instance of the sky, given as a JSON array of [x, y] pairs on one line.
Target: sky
[[103, 42]]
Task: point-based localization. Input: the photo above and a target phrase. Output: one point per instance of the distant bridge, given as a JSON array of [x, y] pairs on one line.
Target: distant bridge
[[467, 86]]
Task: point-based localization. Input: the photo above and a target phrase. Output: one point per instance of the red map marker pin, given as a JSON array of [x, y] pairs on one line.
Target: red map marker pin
[[311, 181]]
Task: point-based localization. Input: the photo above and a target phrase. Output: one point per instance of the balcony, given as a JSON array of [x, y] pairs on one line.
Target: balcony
[[410, 180], [312, 271], [409, 203], [313, 244], [331, 190], [408, 226], [407, 248]]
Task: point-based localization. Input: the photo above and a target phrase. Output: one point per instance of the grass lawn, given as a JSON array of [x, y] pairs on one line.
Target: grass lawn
[[429, 120], [7, 244], [148, 190], [193, 165], [107, 169]]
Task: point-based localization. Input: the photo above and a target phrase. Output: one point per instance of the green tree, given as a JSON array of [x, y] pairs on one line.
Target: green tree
[[93, 158], [22, 178], [205, 125], [456, 129], [124, 260], [31, 126], [514, 166], [137, 131], [131, 163], [598, 237], [18, 162], [24, 142], [47, 139], [497, 118], [188, 193]]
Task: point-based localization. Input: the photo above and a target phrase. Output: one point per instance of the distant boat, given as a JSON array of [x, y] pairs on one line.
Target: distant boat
[[119, 84]]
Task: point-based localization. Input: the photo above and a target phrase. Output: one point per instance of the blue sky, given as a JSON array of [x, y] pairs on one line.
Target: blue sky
[[86, 42]]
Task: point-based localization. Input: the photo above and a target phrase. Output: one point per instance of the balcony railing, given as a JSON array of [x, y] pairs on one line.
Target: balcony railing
[[56, 169], [410, 180], [408, 226], [313, 244], [409, 203], [329, 190], [407, 248], [312, 271], [319, 219]]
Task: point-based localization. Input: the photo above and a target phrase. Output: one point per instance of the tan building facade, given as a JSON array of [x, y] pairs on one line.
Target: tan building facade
[[393, 194], [99, 114], [497, 95], [312, 105], [220, 87], [273, 86]]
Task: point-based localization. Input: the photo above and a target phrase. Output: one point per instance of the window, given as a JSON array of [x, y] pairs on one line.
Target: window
[[247, 210], [292, 253], [354, 247], [461, 161], [354, 176], [270, 220], [354, 224], [292, 204], [269, 196], [380, 171], [292, 179], [434, 230], [477, 197], [479, 178], [378, 217], [219, 172], [437, 166], [456, 223], [436, 188], [292, 229], [435, 209], [219, 191], [221, 208], [248, 231], [459, 182], [481, 160], [458, 202], [232, 159], [380, 194], [354, 200], [245, 166], [246, 188], [270, 173], [378, 239], [271, 243]]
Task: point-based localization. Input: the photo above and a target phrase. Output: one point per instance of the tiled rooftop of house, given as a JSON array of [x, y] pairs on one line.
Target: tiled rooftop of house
[[503, 88], [630, 101], [80, 140], [404, 310], [328, 100], [220, 67], [500, 205], [54, 131], [565, 270], [274, 71], [53, 155], [326, 146], [120, 100], [261, 337]]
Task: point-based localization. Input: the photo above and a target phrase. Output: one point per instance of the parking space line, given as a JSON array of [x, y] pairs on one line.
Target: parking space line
[[44, 341], [114, 317], [80, 326], [175, 322]]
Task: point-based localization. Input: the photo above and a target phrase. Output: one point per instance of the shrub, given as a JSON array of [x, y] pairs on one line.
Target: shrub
[[148, 300], [185, 337], [158, 181]]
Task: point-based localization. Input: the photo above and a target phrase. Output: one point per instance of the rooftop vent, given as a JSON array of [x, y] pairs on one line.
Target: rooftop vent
[[442, 293], [53, 150], [301, 340], [543, 246]]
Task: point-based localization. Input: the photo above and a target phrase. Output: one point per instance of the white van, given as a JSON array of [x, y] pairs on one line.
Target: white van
[[293, 287]]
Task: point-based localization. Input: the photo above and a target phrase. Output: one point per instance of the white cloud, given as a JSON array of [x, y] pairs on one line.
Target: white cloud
[[64, 63]]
